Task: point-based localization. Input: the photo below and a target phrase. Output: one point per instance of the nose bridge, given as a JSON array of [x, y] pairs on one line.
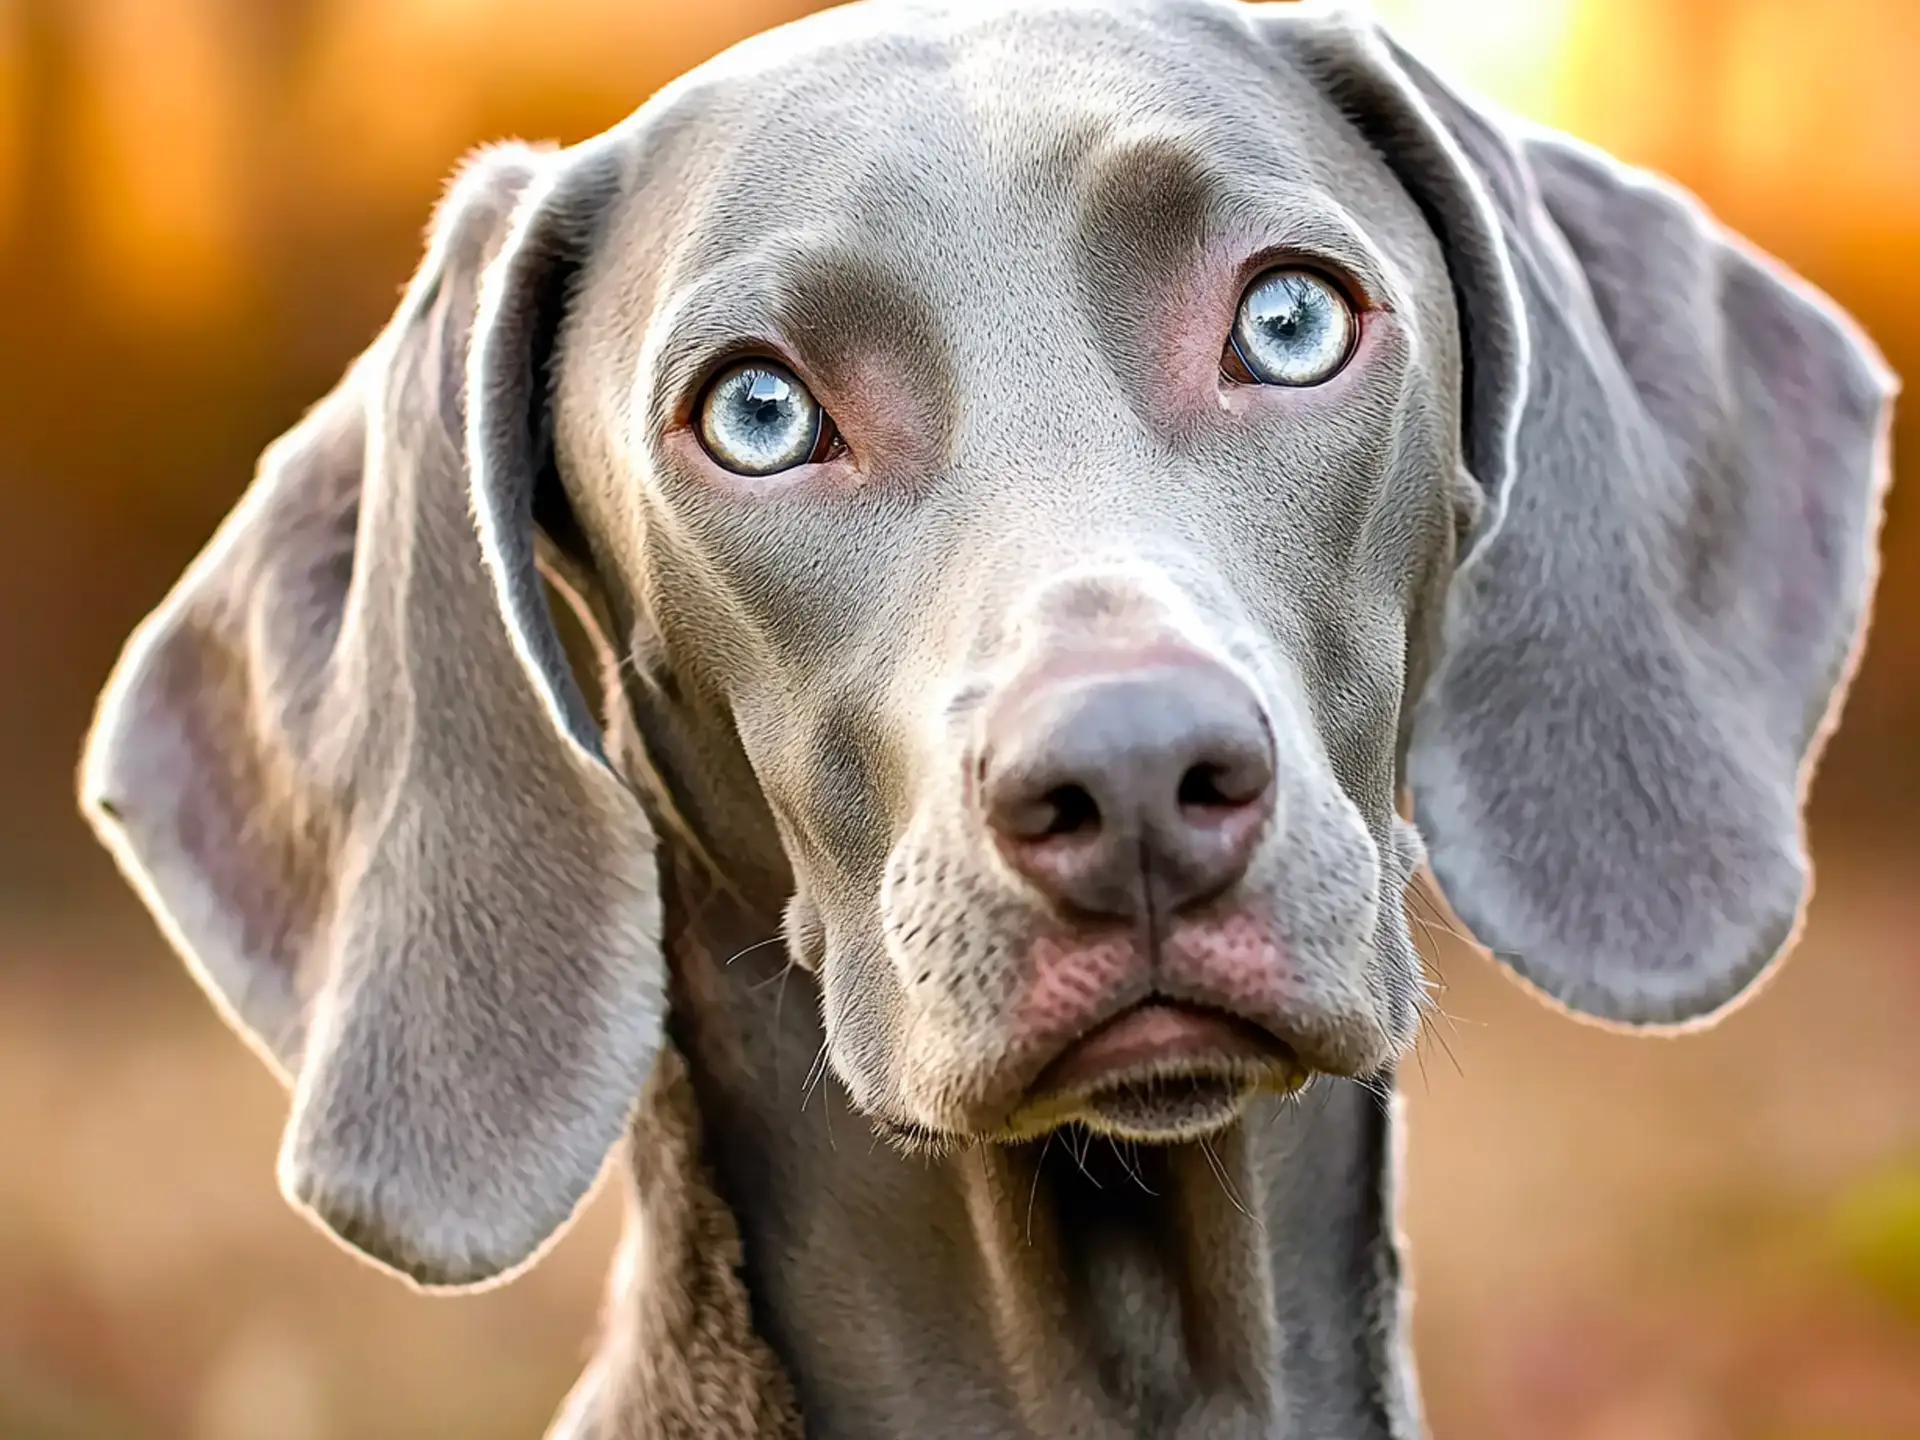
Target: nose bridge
[[1010, 601], [1111, 596], [1149, 596], [1016, 583]]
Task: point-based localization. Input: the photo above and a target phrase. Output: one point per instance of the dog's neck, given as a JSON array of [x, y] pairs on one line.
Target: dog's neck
[[786, 1273]]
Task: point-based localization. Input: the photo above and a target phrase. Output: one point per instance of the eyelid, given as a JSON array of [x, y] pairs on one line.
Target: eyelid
[[1234, 366], [688, 378], [693, 341], [1352, 287]]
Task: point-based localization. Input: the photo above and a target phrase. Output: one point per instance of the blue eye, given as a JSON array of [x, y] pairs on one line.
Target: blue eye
[[757, 419], [1294, 328]]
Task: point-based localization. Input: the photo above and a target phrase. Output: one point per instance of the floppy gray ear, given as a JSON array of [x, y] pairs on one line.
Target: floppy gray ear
[[1683, 451], [347, 767]]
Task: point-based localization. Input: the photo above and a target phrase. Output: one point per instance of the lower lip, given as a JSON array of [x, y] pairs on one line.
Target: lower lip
[[1155, 1037]]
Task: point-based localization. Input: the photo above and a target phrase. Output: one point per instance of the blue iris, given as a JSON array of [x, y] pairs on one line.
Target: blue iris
[[1294, 328], [757, 419]]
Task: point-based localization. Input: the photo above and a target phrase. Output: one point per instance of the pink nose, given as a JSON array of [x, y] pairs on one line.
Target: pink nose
[[1142, 787]]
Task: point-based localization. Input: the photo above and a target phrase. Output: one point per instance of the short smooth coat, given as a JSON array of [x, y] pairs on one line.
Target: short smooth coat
[[1573, 557]]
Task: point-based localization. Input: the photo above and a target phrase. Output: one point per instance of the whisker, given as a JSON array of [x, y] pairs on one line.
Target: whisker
[[815, 1073], [1034, 1189], [1435, 917], [1080, 1158], [769, 982], [1445, 1045], [1379, 1089], [779, 1032], [1129, 1157], [757, 945], [1220, 1174]]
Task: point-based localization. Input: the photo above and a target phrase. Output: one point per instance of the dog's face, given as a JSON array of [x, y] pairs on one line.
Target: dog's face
[[1063, 573], [1068, 470]]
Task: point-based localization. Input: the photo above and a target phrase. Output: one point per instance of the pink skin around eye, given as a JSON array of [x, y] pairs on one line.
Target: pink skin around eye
[[1192, 317], [882, 424], [889, 428]]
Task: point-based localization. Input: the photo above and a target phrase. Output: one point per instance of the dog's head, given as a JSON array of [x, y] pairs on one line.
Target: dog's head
[[1065, 471]]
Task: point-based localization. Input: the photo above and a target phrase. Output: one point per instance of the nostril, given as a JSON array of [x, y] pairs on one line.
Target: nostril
[[1204, 787], [1075, 812], [1229, 785], [1029, 814]]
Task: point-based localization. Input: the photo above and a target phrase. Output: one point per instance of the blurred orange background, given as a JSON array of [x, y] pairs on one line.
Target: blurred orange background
[[208, 206]]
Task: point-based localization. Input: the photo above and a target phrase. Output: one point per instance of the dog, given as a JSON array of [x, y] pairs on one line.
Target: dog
[[950, 571]]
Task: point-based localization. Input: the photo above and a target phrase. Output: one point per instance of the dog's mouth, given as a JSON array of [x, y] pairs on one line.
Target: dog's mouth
[[1162, 1071]]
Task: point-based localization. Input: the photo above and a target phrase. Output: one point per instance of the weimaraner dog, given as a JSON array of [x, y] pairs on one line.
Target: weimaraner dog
[[1044, 482]]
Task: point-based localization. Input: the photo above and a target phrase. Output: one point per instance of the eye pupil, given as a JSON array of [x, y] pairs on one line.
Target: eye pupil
[[757, 419], [1293, 328]]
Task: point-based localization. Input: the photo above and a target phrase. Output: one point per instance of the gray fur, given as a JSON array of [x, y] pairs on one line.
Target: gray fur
[[1576, 550]]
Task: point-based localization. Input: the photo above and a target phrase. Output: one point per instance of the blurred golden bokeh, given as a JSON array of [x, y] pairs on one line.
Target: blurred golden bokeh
[[208, 206]]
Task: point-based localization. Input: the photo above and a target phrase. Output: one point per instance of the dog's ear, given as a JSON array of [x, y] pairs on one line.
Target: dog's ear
[[1681, 450], [346, 765]]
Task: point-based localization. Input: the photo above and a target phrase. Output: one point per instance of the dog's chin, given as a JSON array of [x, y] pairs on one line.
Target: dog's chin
[[1160, 1074], [1157, 1073], [1163, 1110], [1158, 1107]]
